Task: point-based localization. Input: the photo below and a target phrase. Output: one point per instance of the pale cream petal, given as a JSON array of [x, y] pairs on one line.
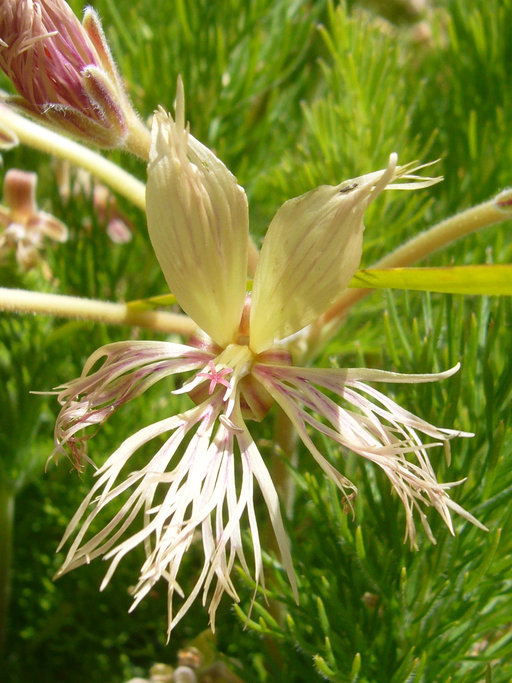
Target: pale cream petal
[[310, 253], [199, 226]]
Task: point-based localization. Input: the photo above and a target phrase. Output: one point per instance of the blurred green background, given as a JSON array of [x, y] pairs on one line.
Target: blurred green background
[[291, 94]]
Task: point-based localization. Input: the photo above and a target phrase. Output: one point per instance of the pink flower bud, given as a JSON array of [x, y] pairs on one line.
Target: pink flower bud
[[63, 70]]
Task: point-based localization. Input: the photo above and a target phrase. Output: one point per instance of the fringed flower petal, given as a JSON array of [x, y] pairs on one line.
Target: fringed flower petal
[[128, 369], [205, 486], [379, 430]]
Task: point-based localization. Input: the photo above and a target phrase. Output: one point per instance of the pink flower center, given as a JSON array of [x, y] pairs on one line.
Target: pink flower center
[[216, 377]]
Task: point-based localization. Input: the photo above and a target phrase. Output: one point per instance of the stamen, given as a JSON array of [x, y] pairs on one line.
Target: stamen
[[216, 377], [229, 424]]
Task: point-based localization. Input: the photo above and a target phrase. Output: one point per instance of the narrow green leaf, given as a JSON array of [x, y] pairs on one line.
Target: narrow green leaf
[[356, 668], [323, 667], [491, 280]]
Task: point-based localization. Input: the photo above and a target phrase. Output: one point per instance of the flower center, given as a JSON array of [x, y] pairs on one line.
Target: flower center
[[231, 368], [216, 377]]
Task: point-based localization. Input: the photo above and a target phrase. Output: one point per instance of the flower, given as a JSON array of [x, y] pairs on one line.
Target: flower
[[24, 225], [203, 474], [64, 71]]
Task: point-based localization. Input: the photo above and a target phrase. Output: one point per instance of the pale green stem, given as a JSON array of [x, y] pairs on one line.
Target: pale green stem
[[285, 437], [139, 138], [6, 533], [50, 142], [23, 301], [426, 243]]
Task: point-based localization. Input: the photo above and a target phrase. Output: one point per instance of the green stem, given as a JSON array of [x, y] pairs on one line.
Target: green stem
[[23, 301], [6, 536], [50, 142], [286, 439]]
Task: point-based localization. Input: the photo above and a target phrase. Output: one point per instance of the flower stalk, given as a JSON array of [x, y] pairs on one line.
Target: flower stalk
[[50, 142], [60, 306]]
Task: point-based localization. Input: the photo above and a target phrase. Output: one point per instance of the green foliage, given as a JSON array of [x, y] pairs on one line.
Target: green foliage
[[474, 137], [441, 611], [293, 94]]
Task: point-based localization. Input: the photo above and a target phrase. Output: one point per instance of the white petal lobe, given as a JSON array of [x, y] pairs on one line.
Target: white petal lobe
[[198, 226]]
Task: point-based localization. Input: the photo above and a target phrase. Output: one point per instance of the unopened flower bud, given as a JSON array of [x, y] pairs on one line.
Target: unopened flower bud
[[64, 72]]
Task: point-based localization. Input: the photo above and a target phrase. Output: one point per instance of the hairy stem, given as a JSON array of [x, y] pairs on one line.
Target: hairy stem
[[50, 142], [23, 301], [139, 139]]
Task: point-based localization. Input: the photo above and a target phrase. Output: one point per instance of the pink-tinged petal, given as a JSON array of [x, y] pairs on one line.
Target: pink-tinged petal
[[195, 482], [198, 225], [378, 429], [311, 251], [127, 371], [299, 417], [107, 476], [119, 231], [252, 456], [340, 380], [49, 226], [338, 377]]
